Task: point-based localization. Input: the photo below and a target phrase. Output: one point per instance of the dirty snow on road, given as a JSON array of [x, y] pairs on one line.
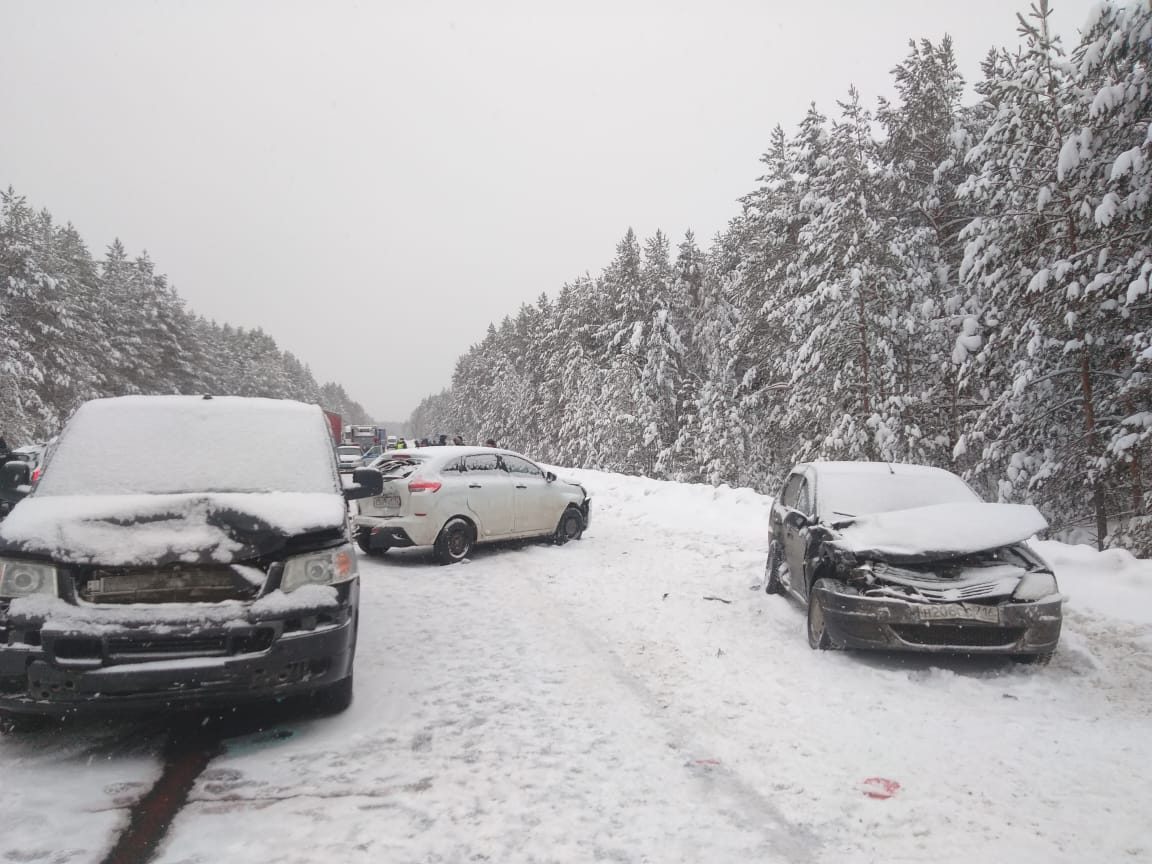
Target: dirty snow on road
[[587, 702]]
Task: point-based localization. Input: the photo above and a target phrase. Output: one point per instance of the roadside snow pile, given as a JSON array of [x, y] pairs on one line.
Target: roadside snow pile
[[1111, 583]]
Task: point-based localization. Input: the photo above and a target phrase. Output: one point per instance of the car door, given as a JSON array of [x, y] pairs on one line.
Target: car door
[[490, 494], [538, 503], [786, 531], [797, 536]]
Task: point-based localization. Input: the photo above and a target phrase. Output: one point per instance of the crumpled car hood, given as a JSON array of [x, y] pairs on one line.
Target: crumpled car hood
[[202, 528], [938, 531]]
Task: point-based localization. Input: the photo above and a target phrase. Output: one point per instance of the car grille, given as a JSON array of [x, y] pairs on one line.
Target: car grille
[[192, 646], [125, 648], [956, 634], [167, 585], [999, 581]]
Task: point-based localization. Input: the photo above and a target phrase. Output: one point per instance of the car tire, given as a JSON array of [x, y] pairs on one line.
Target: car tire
[[335, 698], [570, 527], [363, 540], [772, 583], [455, 541], [818, 638]]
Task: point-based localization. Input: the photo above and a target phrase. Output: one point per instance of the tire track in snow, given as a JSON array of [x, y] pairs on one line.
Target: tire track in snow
[[750, 810]]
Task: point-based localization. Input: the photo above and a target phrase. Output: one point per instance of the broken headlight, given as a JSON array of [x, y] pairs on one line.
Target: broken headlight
[[26, 578], [1035, 586], [319, 568]]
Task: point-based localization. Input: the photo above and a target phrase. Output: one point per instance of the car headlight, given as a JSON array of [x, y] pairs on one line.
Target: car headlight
[[319, 568], [1035, 586], [26, 578]]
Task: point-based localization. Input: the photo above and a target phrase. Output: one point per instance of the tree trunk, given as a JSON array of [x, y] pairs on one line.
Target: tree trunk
[[1093, 446]]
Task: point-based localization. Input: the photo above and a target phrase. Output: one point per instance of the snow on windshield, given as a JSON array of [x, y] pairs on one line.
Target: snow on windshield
[[349, 451], [849, 493], [174, 444]]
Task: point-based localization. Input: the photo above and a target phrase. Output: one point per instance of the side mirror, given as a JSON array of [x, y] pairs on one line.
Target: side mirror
[[13, 475], [550, 477], [796, 520], [366, 482]]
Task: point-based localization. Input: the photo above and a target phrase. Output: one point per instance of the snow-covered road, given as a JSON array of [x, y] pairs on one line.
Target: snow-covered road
[[588, 703]]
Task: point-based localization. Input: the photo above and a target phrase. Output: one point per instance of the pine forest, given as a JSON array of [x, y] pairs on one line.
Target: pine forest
[[74, 328], [949, 279]]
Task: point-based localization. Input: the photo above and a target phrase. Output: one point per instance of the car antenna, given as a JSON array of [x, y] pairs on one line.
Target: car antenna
[[891, 470]]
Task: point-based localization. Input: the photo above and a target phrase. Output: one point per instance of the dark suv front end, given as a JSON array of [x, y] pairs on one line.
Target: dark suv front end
[[166, 637], [130, 580]]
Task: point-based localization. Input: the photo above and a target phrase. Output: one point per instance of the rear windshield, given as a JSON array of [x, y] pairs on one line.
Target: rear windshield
[[855, 494], [177, 444], [395, 469], [348, 451]]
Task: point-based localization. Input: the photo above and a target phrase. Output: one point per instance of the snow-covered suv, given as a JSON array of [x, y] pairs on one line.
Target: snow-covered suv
[[451, 498], [163, 560]]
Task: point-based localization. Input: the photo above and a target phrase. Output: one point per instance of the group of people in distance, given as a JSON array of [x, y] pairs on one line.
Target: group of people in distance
[[443, 442]]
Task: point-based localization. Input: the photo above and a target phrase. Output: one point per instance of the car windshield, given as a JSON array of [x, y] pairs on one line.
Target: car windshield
[[177, 444], [848, 494], [349, 451]]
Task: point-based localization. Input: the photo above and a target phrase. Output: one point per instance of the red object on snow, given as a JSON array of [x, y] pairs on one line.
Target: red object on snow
[[334, 422], [880, 787]]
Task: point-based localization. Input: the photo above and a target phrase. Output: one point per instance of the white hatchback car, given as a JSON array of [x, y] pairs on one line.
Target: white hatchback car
[[452, 498]]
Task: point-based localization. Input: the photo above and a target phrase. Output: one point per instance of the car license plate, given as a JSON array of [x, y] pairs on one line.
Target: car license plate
[[386, 502], [959, 611]]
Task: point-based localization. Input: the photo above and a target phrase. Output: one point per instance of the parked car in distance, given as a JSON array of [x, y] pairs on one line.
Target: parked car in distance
[[371, 455], [451, 498], [130, 580], [19, 469], [908, 557], [349, 457]]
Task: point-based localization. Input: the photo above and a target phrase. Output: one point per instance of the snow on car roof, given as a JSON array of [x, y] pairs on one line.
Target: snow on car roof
[[874, 468], [177, 444]]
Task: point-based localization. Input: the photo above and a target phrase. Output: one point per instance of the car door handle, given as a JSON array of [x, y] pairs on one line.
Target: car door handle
[[521, 486], [474, 486]]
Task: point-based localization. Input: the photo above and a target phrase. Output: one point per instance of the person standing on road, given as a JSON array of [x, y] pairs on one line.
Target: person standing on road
[[458, 441], [491, 442]]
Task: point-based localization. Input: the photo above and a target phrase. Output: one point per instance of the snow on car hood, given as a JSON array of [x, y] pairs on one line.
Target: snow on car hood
[[126, 530], [939, 530]]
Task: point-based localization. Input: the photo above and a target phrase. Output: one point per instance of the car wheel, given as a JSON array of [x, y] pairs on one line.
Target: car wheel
[[571, 527], [818, 638], [334, 698], [455, 541], [772, 583], [364, 541]]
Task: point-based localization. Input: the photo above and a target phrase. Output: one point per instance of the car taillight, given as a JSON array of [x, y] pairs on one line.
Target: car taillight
[[423, 485], [36, 474]]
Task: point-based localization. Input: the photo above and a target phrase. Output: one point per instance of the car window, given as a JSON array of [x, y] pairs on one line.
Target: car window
[[791, 488], [456, 465], [804, 497], [516, 465], [482, 462], [393, 469]]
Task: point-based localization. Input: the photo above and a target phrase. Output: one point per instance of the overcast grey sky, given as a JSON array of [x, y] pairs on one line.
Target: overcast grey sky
[[374, 182]]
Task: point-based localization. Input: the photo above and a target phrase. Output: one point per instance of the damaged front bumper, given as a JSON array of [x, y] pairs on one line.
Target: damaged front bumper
[[854, 620], [174, 663]]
